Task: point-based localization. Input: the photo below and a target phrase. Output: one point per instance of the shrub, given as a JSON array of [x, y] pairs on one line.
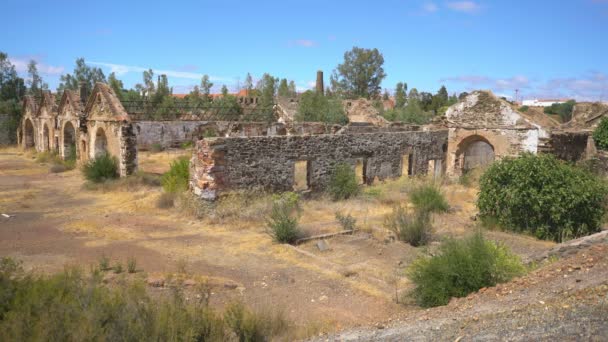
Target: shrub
[[282, 223], [104, 263], [132, 265], [156, 147], [460, 268], [343, 182], [57, 168], [524, 109], [414, 229], [600, 134], [348, 222], [564, 110], [118, 267], [102, 168], [165, 201], [542, 196], [177, 178], [187, 144], [428, 198], [249, 326]]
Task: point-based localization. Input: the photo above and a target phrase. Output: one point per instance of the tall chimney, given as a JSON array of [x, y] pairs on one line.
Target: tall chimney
[[84, 94], [320, 87]]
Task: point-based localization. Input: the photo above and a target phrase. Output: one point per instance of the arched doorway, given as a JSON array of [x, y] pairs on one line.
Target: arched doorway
[[69, 141], [101, 142], [474, 152], [46, 139], [28, 134]]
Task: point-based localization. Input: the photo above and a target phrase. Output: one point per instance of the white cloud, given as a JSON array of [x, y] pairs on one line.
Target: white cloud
[[430, 7], [464, 6], [307, 43], [43, 68], [121, 69], [592, 86]]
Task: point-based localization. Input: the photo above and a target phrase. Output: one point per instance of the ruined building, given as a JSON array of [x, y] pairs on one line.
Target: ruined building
[[82, 126]]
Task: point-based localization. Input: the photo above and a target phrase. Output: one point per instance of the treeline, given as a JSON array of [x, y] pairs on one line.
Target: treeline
[[12, 90]]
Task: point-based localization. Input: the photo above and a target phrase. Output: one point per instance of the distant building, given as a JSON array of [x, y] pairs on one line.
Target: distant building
[[543, 102]]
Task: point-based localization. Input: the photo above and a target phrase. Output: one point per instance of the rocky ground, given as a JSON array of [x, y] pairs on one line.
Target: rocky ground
[[565, 299]]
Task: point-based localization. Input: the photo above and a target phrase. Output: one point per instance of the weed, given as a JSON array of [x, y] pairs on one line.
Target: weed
[[102, 168], [165, 201], [428, 198], [178, 177], [343, 183], [118, 267], [414, 229], [282, 223], [348, 222], [132, 265], [104, 263]]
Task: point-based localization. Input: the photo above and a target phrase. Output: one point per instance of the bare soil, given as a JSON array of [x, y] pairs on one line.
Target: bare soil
[[56, 220]]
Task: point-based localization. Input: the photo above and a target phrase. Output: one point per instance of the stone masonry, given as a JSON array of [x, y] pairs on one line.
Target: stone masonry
[[223, 164]]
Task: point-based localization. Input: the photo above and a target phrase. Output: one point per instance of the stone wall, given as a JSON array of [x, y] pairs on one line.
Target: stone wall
[[174, 133], [572, 146], [222, 164]]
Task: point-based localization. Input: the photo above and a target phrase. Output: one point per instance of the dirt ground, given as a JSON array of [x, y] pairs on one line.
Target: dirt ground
[[55, 220]]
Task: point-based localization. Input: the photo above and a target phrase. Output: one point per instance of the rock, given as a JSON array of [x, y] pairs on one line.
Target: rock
[[323, 298], [156, 281], [230, 286], [189, 282], [322, 245]]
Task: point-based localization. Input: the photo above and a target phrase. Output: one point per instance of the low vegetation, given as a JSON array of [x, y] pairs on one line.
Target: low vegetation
[[282, 223], [524, 109], [177, 178], [319, 108], [412, 227], [74, 306], [343, 183], [564, 110], [542, 196], [100, 169], [600, 134], [348, 222], [462, 267], [428, 198]]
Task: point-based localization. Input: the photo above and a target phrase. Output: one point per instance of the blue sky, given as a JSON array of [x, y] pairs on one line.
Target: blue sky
[[544, 48]]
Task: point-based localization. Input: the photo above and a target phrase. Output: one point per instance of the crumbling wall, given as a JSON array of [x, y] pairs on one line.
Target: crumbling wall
[[222, 164], [174, 133], [572, 146]]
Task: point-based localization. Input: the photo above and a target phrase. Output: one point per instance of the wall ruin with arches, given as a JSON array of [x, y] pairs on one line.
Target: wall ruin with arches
[[82, 126]]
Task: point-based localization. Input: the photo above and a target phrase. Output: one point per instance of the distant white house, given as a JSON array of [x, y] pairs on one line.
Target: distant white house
[[543, 102]]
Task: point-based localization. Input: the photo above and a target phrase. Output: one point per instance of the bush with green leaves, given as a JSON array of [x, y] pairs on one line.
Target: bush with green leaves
[[428, 198], [600, 134], [249, 326], [542, 196], [100, 169], [282, 222], [414, 228], [178, 177], [348, 222], [343, 183], [524, 109], [320, 108], [564, 110], [462, 267]]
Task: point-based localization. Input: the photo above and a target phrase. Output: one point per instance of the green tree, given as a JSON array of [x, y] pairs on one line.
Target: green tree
[[267, 87], [206, 86], [248, 83], [35, 82], [292, 89], [12, 90], [224, 90], [400, 94], [315, 107], [283, 88], [82, 73], [116, 85], [564, 110], [360, 75]]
